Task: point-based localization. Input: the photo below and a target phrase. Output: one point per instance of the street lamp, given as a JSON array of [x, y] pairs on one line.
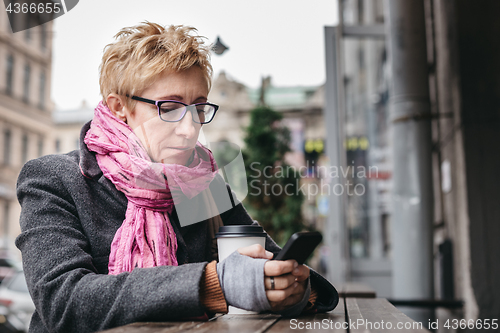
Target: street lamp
[[218, 47]]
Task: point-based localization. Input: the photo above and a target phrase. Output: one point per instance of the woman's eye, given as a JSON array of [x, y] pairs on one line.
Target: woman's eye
[[166, 108], [163, 110]]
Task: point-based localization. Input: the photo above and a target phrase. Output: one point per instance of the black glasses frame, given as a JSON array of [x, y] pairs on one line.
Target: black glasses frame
[[159, 103]]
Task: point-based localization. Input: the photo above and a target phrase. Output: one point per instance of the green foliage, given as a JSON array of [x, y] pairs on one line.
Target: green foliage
[[224, 152], [267, 142]]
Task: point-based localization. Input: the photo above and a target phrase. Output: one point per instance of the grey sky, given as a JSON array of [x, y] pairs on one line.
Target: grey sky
[[280, 38]]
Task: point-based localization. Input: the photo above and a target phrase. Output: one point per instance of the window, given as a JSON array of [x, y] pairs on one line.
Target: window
[[26, 83], [12, 21], [6, 209], [7, 138], [27, 32], [43, 37], [24, 149], [10, 74], [30, 20], [40, 146], [361, 58], [41, 103], [361, 11]]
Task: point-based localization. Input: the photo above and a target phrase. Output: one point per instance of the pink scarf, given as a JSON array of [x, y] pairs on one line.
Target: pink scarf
[[146, 238]]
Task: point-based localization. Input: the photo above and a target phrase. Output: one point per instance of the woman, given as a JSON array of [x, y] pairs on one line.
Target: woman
[[101, 240]]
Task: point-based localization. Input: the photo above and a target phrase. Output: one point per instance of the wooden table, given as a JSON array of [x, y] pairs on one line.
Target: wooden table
[[357, 290], [351, 315]]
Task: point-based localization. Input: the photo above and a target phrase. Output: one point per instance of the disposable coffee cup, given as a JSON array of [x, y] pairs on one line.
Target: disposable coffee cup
[[230, 238]]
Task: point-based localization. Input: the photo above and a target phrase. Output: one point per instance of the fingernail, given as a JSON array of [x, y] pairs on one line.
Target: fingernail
[[295, 284], [295, 264], [269, 254], [296, 271]]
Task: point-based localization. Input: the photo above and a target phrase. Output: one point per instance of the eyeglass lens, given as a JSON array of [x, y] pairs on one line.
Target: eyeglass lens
[[172, 112]]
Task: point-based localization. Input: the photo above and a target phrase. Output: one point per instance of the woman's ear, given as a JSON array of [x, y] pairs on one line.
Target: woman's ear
[[116, 105]]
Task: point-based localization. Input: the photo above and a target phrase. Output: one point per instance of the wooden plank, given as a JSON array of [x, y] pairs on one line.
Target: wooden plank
[[153, 327], [333, 321], [222, 323], [378, 315], [257, 323], [357, 290]]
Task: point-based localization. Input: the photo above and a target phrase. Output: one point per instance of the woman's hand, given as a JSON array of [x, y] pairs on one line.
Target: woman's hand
[[289, 278]]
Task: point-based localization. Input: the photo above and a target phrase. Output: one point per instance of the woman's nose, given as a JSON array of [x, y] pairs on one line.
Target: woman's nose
[[186, 126]]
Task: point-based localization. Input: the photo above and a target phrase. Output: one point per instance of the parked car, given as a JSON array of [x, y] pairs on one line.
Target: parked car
[[16, 305]]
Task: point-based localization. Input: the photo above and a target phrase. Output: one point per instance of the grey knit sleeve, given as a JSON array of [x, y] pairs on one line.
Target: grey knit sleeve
[[242, 282]]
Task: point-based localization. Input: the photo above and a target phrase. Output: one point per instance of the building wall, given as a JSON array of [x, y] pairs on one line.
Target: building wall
[[302, 110], [451, 203], [26, 115], [232, 98], [236, 101], [479, 69], [464, 80], [67, 138]]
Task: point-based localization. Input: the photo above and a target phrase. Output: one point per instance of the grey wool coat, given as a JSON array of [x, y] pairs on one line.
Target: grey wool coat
[[70, 214]]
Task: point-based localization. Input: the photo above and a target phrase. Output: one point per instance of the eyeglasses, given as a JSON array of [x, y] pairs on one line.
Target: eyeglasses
[[174, 111]]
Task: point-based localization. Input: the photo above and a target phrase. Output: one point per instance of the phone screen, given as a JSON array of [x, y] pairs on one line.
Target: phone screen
[[300, 246]]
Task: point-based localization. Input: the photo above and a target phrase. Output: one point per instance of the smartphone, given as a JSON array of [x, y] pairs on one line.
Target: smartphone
[[300, 246]]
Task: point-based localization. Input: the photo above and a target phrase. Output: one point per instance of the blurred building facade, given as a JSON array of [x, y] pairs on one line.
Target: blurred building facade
[[25, 110], [234, 102], [365, 144], [67, 127], [302, 110]]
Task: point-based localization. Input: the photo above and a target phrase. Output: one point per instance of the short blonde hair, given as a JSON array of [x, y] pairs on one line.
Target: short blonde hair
[[141, 53]]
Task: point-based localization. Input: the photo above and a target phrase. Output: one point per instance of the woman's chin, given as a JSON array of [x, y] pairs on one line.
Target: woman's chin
[[175, 156]]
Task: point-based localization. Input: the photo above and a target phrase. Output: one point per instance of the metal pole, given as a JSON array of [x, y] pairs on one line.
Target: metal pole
[[335, 235], [374, 218], [412, 245]]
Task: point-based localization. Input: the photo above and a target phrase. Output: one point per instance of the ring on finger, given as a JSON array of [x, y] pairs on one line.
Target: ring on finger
[[272, 282]]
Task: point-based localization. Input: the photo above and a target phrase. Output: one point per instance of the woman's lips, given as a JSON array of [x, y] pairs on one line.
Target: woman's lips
[[181, 148]]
